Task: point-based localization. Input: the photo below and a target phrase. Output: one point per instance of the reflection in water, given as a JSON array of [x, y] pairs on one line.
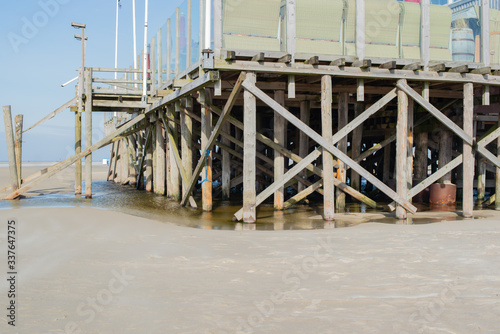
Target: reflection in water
[[128, 200]]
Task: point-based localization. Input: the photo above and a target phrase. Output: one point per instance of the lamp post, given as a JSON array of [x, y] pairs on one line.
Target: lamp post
[[78, 114]]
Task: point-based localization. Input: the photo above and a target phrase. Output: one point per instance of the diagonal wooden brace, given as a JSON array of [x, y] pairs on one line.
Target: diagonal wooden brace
[[328, 146]]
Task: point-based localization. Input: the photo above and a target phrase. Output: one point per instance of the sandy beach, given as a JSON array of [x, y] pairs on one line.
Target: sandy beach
[[86, 270]]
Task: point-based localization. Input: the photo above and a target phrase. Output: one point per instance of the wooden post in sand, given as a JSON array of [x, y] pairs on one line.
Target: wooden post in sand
[[401, 152], [88, 132], [357, 138], [173, 179], [305, 113], [186, 140], [14, 179], [280, 125], [327, 132], [468, 156], [18, 120], [159, 178], [149, 162], [342, 145], [206, 131], [78, 150], [249, 159]]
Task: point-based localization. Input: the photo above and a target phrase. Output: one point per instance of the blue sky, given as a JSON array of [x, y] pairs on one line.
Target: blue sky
[[35, 62]]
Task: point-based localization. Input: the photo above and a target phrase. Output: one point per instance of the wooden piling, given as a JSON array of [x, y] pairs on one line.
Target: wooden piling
[[305, 114], [249, 159], [125, 162], [409, 148], [357, 138], [14, 179], [280, 125], [226, 164], [132, 162], [148, 175], [481, 180], [173, 179], [206, 131], [401, 152], [78, 150], [327, 132], [343, 114], [421, 155], [445, 152], [159, 179], [187, 140], [468, 156], [18, 149], [88, 131]]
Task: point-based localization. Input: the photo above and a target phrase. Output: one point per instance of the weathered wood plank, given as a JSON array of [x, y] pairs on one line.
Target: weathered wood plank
[[280, 126], [78, 150], [248, 212], [305, 113], [18, 149], [88, 132], [343, 113], [9, 132], [206, 130], [327, 131], [401, 151], [468, 156]]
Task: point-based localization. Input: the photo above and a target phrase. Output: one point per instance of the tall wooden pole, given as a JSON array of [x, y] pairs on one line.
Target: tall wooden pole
[[445, 154], [249, 152], [159, 178], [357, 137], [88, 131], [279, 159], [18, 120], [149, 161], [468, 156], [187, 140], [343, 114], [132, 171], [206, 131], [14, 179], [305, 114], [327, 131], [173, 188], [78, 150], [401, 152], [226, 165]]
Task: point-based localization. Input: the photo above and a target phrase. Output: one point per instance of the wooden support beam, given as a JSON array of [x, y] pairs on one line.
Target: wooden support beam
[[468, 156], [291, 86], [459, 69], [357, 138], [206, 130], [54, 113], [217, 129], [226, 164], [186, 142], [78, 150], [481, 180], [259, 57], [303, 194], [117, 150], [445, 149], [9, 132], [362, 63], [343, 118], [124, 170], [390, 65], [144, 146], [286, 59], [435, 112], [305, 113], [18, 149], [338, 62], [327, 132], [360, 90], [412, 67], [50, 171], [230, 55], [291, 28], [173, 183], [281, 181], [160, 174], [360, 28], [482, 70], [174, 151], [248, 212], [148, 175], [441, 67], [421, 155], [325, 144], [409, 147], [401, 152], [314, 60], [485, 31], [280, 126], [88, 132]]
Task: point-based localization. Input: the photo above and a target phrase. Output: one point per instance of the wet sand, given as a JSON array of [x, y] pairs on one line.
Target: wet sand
[[85, 270]]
